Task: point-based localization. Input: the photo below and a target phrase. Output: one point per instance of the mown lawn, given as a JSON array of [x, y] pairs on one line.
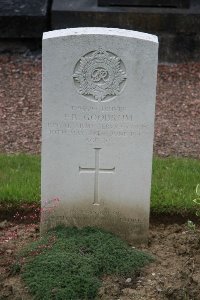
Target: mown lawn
[[173, 182], [19, 179]]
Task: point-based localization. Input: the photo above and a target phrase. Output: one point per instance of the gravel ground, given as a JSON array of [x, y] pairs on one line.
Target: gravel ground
[[177, 124]]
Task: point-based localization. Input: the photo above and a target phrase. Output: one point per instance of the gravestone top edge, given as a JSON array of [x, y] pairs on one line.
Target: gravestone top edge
[[100, 31]]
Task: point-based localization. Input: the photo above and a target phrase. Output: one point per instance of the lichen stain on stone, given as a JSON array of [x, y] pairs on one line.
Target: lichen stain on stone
[[129, 222]]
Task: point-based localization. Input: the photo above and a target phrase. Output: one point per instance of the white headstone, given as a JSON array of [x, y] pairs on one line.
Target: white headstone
[[99, 89]]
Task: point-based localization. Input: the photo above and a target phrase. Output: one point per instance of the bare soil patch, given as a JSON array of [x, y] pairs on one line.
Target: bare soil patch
[[175, 274]]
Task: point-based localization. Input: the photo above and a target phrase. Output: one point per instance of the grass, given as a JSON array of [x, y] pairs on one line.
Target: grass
[[173, 182], [19, 179], [69, 262]]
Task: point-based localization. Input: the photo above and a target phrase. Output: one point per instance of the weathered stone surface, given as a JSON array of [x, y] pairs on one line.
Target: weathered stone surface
[[147, 3], [99, 87], [72, 13], [23, 18], [178, 29]]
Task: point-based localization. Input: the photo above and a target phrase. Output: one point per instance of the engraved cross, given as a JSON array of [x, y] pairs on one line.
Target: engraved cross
[[96, 170]]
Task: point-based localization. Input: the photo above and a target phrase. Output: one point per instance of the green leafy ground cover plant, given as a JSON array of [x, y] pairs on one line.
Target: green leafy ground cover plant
[[69, 262], [197, 200], [173, 182]]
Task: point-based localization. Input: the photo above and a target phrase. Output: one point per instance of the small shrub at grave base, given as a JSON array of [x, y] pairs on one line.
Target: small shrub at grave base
[[191, 225], [197, 200], [32, 213], [68, 262]]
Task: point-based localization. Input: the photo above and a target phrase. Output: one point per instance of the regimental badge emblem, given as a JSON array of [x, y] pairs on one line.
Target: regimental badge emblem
[[100, 75]]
